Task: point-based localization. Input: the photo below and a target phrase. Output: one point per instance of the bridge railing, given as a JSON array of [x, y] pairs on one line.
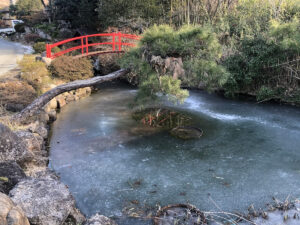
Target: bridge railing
[[116, 44]]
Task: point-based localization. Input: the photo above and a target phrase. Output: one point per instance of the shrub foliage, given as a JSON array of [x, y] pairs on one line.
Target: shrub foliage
[[69, 68], [198, 48]]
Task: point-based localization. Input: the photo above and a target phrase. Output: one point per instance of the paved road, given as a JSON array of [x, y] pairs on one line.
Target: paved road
[[10, 52]]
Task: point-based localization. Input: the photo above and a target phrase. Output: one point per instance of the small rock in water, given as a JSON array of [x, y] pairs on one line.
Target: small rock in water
[[186, 133], [179, 214], [99, 220]]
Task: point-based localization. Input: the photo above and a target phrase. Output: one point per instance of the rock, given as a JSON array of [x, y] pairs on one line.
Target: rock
[[12, 147], [52, 115], [70, 98], [75, 218], [10, 214], [38, 58], [96, 65], [27, 30], [47, 61], [39, 128], [61, 102], [81, 93], [34, 143], [171, 65], [53, 104], [179, 214], [175, 66], [42, 131], [45, 200], [88, 90], [10, 174], [65, 33], [42, 34], [99, 220], [186, 132]]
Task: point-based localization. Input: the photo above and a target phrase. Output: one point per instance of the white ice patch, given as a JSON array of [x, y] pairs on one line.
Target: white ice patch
[[199, 106]]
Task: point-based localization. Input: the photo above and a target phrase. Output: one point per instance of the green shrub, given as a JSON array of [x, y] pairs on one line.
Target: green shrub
[[163, 40], [265, 93], [55, 50], [197, 47], [286, 35], [266, 65], [39, 47], [70, 68]]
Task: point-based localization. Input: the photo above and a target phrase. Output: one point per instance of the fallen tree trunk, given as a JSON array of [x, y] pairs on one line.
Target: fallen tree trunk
[[45, 98]]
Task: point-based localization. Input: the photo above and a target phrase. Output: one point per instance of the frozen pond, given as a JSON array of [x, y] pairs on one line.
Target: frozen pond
[[248, 154]]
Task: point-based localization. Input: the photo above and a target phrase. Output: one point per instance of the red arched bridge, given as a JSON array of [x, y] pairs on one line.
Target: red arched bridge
[[115, 41]]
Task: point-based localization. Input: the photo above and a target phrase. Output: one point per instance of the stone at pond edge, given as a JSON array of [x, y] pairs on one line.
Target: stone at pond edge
[[45, 201], [12, 147], [10, 214], [13, 174], [99, 220], [186, 133]]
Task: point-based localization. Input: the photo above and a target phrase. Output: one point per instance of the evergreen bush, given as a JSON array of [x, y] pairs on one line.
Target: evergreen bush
[[197, 46]]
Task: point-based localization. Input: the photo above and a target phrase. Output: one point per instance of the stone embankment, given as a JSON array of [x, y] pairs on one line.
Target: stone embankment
[[30, 193]]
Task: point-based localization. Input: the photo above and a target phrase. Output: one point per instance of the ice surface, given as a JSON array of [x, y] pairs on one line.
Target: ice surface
[[248, 154]]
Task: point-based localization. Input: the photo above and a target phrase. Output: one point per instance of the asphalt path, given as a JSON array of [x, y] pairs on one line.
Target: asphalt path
[[10, 53]]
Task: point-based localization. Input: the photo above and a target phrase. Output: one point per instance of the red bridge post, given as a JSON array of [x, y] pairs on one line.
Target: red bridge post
[[114, 41], [87, 45], [48, 51], [120, 41], [82, 49]]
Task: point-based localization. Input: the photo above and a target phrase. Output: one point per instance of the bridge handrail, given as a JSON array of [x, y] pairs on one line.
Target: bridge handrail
[[85, 43]]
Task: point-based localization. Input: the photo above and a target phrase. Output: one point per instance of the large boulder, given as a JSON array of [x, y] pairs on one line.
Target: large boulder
[[99, 220], [10, 214], [45, 200], [10, 174], [12, 148], [35, 144], [42, 34]]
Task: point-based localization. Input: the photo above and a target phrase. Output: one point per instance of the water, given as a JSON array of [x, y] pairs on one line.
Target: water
[[248, 154]]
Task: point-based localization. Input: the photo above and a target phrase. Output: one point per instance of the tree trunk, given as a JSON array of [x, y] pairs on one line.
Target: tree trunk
[[41, 101]]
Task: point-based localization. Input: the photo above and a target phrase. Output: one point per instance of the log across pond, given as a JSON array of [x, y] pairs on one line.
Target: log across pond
[[46, 97]]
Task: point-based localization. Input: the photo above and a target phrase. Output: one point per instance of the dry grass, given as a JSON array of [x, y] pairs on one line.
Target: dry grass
[[35, 73], [16, 92], [69, 69], [6, 119]]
